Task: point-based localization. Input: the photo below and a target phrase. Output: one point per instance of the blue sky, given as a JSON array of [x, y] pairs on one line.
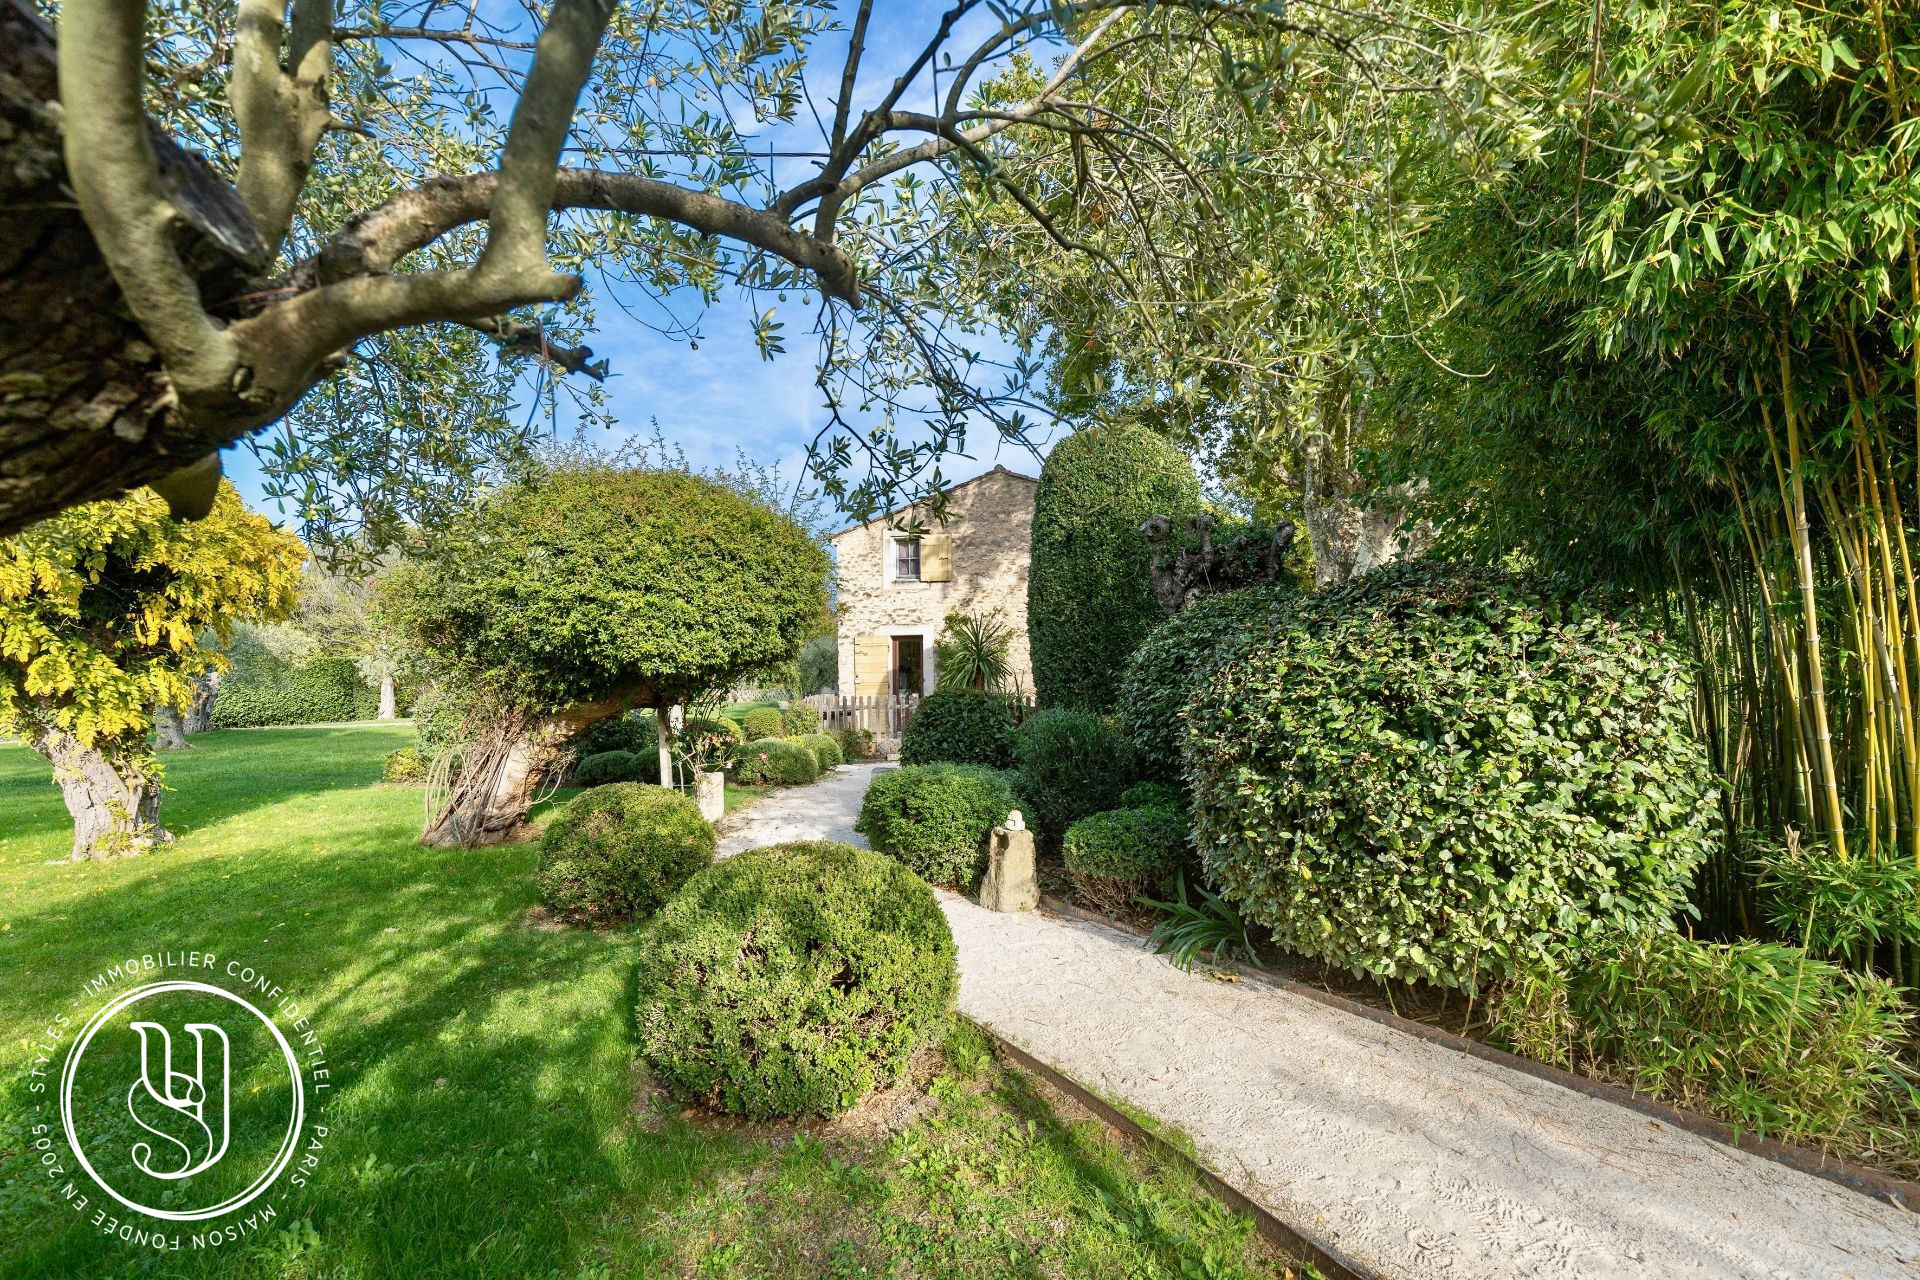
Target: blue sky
[[723, 396]]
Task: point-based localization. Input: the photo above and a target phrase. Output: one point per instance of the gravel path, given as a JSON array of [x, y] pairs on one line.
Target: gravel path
[[1411, 1159]]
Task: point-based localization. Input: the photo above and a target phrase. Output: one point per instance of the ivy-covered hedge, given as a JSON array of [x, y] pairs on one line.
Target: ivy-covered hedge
[[319, 690], [1176, 658], [935, 818], [960, 726], [1090, 585], [1437, 770], [793, 980]]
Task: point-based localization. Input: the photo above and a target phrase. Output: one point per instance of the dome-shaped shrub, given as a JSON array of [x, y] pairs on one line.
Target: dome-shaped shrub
[[615, 766], [793, 980], [762, 722], [960, 726], [1434, 770], [615, 853], [1124, 854], [935, 818], [1153, 795], [825, 748], [1067, 766], [799, 720], [1176, 658], [774, 761]]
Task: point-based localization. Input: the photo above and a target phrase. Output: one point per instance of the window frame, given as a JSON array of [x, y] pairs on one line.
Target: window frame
[[904, 549]]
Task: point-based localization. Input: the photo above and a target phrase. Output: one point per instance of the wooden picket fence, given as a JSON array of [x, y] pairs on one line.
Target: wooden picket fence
[[883, 715]]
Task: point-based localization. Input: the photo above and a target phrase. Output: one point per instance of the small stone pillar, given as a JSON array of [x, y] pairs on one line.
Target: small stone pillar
[[710, 791], [1010, 884]]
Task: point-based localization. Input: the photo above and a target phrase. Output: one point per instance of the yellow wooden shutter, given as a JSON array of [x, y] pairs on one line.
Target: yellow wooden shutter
[[872, 656], [936, 558]]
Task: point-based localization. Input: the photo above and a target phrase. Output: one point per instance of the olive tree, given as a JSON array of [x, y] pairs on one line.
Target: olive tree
[[216, 207], [114, 609], [584, 592]]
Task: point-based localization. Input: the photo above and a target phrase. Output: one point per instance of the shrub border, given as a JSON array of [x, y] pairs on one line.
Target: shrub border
[[1872, 1183]]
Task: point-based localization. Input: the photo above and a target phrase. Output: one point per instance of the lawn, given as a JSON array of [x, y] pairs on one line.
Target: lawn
[[489, 1119]]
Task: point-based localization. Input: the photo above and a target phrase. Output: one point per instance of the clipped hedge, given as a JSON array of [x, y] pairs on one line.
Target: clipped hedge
[[616, 766], [1090, 583], [762, 722], [799, 720], [1124, 854], [635, 731], [774, 761], [318, 691], [935, 818], [1435, 771], [793, 980], [825, 748], [1176, 658], [1068, 765], [618, 852], [960, 726], [1782, 1044]]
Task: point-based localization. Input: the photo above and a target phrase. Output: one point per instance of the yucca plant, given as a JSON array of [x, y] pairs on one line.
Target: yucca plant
[[972, 652]]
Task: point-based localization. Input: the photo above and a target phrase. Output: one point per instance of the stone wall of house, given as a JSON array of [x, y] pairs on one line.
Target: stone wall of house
[[990, 522]]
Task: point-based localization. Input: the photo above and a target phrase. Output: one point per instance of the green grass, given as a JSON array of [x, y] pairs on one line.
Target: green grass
[[489, 1119]]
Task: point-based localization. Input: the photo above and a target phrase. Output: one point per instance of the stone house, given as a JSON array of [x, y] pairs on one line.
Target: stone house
[[896, 591]]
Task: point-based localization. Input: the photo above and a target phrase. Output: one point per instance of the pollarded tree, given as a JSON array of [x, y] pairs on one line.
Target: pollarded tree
[[1090, 587], [109, 611], [584, 592]]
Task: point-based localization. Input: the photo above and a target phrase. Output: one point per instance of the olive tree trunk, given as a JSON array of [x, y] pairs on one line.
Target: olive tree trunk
[[386, 699], [110, 791], [1349, 537], [488, 799], [206, 689], [169, 730]]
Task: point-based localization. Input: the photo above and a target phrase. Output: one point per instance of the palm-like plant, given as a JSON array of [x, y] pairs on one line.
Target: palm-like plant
[[971, 652]]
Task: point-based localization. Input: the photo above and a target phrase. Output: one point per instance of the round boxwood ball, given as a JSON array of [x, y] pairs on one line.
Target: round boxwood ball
[[762, 722], [935, 818], [793, 980], [616, 853]]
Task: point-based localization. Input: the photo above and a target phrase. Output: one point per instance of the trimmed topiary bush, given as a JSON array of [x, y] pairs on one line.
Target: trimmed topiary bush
[[856, 744], [1090, 585], [762, 722], [825, 748], [1436, 770], [774, 761], [1124, 854], [405, 765], [1177, 657], [1067, 766], [799, 720], [1153, 795], [636, 731], [935, 818], [618, 852], [320, 690], [793, 980], [616, 766], [960, 726]]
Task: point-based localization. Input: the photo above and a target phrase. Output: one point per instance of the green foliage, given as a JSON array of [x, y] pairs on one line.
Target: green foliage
[[1126, 854], [1153, 795], [1781, 1044], [707, 741], [1179, 656], [819, 666], [763, 722], [798, 719], [972, 652], [793, 980], [935, 818], [825, 748], [1839, 910], [856, 744], [960, 726], [405, 765], [1435, 771], [1089, 588], [774, 761], [617, 853], [603, 767], [1067, 766], [635, 731], [323, 689], [590, 581], [1208, 931]]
